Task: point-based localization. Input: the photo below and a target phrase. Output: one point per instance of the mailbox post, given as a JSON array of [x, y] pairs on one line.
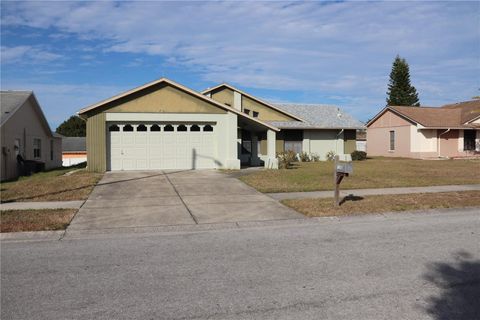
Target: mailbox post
[[343, 167]]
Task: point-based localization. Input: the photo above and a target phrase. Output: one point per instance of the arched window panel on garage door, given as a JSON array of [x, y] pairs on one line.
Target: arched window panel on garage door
[[113, 127], [208, 128], [141, 128], [168, 128], [128, 128], [182, 128], [194, 128], [155, 127]]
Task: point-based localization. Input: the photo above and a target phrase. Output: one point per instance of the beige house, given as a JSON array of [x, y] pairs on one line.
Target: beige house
[[165, 125], [25, 134], [422, 132]]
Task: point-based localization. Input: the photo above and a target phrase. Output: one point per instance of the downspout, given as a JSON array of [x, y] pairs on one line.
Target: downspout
[[336, 140], [439, 141]]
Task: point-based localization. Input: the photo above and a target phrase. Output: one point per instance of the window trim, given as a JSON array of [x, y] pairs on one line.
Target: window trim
[[391, 141], [39, 148]]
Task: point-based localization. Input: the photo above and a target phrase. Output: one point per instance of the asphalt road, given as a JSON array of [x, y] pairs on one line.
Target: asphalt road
[[423, 266]]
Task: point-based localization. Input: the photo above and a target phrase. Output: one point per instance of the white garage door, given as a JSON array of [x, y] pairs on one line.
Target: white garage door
[[150, 146]]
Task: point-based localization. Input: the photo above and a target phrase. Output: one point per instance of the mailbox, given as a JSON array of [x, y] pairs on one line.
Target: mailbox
[[345, 167], [343, 164]]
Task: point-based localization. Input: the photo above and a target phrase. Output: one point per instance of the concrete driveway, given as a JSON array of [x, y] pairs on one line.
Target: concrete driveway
[[159, 198]]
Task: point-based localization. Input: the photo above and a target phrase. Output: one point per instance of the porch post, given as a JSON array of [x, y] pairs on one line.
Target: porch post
[[271, 161]]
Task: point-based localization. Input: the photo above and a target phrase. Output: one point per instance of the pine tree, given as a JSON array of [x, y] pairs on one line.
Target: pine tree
[[400, 91], [73, 127]]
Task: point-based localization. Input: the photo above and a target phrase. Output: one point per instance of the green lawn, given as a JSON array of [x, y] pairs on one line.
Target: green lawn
[[50, 186], [371, 173]]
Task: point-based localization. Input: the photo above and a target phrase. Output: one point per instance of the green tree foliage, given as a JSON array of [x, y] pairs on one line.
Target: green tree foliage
[[400, 91], [73, 127]]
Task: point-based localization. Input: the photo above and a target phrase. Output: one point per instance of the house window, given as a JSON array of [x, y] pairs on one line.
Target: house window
[[255, 114], [51, 149], [469, 140], [246, 111], [37, 148], [392, 140]]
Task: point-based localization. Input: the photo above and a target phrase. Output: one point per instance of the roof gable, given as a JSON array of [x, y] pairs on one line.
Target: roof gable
[[243, 93], [12, 101], [449, 116], [105, 104]]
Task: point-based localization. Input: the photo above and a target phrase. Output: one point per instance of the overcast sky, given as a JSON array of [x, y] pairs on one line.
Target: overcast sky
[[73, 54]]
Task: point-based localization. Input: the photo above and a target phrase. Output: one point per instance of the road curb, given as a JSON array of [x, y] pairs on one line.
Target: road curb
[[41, 205], [191, 228], [32, 235]]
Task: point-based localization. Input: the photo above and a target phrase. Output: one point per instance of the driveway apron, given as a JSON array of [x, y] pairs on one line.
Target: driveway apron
[[158, 198]]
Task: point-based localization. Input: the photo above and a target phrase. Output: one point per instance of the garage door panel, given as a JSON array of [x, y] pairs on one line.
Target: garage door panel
[[147, 150]]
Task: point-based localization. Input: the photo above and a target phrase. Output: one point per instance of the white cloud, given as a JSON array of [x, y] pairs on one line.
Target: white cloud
[[27, 55], [323, 49]]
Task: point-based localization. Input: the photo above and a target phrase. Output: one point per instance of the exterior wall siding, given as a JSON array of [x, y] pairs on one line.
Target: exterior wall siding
[[350, 141], [378, 136], [320, 142], [264, 113], [223, 95], [165, 99], [25, 125], [96, 143]]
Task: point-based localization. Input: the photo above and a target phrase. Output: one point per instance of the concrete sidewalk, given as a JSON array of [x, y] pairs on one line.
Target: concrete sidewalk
[[42, 205], [370, 192]]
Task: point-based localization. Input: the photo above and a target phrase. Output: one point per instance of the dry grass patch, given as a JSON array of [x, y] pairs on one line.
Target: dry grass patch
[[50, 186], [35, 220], [385, 203], [372, 173]]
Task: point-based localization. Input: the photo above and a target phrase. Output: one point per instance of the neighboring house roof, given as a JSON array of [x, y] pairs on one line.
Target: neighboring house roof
[[74, 144], [182, 88], [11, 101], [268, 104], [470, 110], [448, 116], [319, 117]]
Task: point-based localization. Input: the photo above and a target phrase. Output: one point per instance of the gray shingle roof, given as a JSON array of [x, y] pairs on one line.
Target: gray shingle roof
[[74, 144], [316, 116], [10, 101]]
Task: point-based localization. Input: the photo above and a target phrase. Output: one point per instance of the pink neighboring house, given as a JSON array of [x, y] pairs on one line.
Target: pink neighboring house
[[423, 132]]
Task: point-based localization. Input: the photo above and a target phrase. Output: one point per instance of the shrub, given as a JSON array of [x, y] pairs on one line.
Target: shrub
[[315, 157], [285, 159], [304, 157], [359, 155], [330, 155]]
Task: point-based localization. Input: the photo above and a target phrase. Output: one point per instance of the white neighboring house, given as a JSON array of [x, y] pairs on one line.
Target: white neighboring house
[[25, 134], [74, 151]]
